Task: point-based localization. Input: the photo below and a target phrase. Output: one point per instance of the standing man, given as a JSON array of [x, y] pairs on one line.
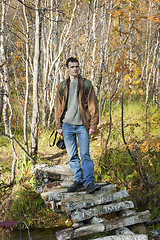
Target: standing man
[[77, 114]]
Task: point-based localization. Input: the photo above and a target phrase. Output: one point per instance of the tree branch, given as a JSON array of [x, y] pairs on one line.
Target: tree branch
[[28, 155]]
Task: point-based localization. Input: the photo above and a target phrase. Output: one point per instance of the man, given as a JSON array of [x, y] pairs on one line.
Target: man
[[77, 114]]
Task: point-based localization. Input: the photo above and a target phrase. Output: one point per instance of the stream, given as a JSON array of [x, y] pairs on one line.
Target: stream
[[34, 234]]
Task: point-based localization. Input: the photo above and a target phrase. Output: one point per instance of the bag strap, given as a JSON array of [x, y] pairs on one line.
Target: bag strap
[[54, 138]]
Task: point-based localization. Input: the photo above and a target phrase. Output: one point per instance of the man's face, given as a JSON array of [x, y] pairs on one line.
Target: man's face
[[73, 69]]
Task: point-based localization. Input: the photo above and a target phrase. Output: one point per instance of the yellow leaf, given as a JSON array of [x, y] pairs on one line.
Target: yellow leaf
[[140, 91], [150, 162], [155, 18], [126, 77]]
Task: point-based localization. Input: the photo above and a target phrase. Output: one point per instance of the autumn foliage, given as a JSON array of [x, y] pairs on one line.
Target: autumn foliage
[[118, 46]]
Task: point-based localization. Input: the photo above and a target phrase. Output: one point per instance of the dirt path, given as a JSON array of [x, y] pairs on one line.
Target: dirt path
[[53, 156]]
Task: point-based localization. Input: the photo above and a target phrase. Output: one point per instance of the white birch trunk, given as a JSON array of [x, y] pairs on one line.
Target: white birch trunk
[[35, 111], [15, 159], [130, 43], [1, 100], [94, 40], [27, 82], [48, 52], [151, 72], [4, 72], [101, 51], [147, 55], [87, 33], [156, 90], [7, 118]]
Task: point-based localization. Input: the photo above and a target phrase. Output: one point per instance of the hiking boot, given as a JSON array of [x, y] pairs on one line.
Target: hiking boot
[[91, 187], [75, 186]]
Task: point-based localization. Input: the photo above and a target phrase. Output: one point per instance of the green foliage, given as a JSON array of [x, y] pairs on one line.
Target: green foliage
[[99, 235], [113, 169], [27, 206], [25, 174], [139, 175]]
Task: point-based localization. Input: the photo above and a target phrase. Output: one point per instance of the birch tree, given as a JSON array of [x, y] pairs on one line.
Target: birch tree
[[35, 111], [4, 70], [157, 65], [95, 7], [27, 81]]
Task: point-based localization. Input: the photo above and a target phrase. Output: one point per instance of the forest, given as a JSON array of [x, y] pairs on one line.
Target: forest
[[118, 46]]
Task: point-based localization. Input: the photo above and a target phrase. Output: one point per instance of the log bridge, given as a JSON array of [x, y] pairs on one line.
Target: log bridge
[[107, 211]]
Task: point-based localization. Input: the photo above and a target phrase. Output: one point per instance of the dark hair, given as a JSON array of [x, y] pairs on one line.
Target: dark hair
[[71, 59]]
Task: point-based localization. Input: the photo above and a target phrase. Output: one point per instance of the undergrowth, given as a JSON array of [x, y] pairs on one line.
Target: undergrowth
[[112, 165]]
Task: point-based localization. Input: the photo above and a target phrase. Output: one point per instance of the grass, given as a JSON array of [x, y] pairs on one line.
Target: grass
[[115, 167]]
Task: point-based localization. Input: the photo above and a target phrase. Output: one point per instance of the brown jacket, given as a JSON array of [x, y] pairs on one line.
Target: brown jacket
[[88, 105]]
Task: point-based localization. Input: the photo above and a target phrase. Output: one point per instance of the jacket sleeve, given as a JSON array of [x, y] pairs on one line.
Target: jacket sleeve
[[93, 108], [58, 108]]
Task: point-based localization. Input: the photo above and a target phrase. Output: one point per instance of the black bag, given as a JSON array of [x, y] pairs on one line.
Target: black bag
[[60, 143]]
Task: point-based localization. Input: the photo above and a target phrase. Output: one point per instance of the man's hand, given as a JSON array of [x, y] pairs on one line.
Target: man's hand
[[91, 131], [60, 131]]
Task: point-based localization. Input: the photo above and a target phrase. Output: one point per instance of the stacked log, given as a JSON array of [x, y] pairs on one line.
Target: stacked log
[[86, 215], [106, 211]]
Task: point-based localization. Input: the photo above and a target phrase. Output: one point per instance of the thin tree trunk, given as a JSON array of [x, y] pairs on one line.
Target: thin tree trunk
[[4, 72], [87, 33], [15, 159], [1, 100], [95, 4], [156, 91], [150, 74], [27, 82], [35, 111], [101, 51], [48, 35], [147, 57]]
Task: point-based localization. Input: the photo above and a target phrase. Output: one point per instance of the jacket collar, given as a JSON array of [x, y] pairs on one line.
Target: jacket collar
[[79, 80]]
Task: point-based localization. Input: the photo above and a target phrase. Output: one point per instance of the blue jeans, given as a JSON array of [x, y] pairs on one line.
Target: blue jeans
[[82, 169]]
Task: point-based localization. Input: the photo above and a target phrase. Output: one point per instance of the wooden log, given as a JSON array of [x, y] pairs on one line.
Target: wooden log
[[70, 204], [125, 237], [66, 184], [123, 231], [82, 214], [43, 175], [139, 228], [82, 196], [54, 194], [106, 226], [60, 176], [45, 172], [128, 221], [127, 212], [64, 168], [95, 220], [61, 193], [79, 232]]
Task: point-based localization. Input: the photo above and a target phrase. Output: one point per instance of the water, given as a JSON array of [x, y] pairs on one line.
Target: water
[[35, 234]]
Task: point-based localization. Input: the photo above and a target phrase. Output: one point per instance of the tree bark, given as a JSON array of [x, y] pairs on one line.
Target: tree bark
[[83, 214], [4, 71], [35, 111], [106, 226], [94, 39], [27, 83]]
